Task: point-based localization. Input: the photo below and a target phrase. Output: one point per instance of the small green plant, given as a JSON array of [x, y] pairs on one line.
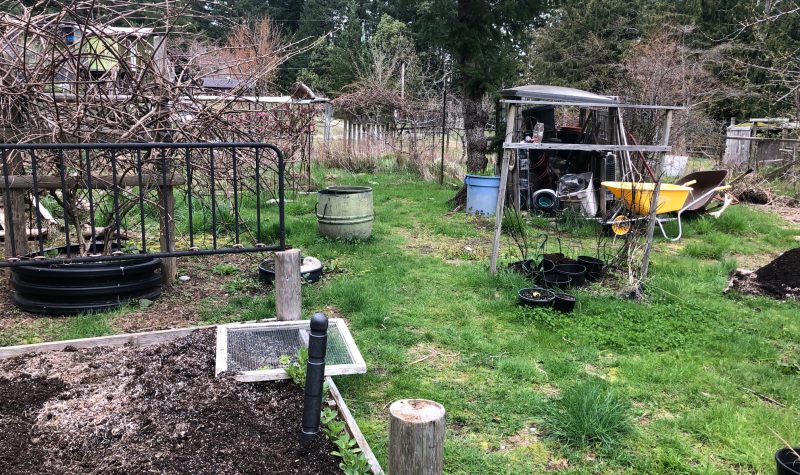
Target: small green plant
[[354, 462], [296, 369], [591, 414], [224, 269]]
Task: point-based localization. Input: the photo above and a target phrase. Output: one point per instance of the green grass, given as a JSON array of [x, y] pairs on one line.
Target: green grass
[[593, 414], [689, 361]]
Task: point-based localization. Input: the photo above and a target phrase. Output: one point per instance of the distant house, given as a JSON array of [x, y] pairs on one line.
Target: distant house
[[226, 84]]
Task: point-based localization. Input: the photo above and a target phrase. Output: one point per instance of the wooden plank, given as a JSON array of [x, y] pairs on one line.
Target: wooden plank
[[590, 104], [511, 116], [133, 339], [588, 147], [100, 182], [221, 363], [352, 427]]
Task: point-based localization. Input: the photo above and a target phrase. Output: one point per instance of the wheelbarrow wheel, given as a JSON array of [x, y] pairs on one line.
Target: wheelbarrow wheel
[[620, 225]]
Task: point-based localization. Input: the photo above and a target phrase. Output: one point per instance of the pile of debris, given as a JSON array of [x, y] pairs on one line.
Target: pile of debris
[[780, 278]]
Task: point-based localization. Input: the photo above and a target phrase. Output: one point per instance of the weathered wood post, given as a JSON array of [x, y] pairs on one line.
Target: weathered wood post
[[287, 284], [14, 225], [416, 437]]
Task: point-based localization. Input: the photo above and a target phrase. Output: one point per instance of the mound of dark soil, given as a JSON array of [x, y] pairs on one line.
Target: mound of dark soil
[[149, 410], [781, 277], [753, 195]]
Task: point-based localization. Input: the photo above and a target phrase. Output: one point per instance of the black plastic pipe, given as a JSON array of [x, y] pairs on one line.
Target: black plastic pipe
[[315, 375]]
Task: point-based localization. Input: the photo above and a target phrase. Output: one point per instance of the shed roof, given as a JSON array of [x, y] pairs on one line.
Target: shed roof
[[556, 93]]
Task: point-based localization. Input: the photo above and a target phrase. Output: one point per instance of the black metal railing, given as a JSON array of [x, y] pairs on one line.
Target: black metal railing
[[209, 199]]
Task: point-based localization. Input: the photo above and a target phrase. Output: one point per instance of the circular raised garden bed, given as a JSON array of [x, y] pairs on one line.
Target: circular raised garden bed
[[81, 287], [536, 297], [311, 270]]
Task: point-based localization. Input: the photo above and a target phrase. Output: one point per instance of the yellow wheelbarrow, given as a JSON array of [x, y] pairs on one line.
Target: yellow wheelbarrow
[[637, 199]]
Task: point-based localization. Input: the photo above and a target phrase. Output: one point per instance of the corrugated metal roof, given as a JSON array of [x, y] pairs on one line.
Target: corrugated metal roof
[[555, 93]]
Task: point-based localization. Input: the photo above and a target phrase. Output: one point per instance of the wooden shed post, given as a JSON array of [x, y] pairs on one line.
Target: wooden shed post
[[511, 116], [416, 437], [287, 285]]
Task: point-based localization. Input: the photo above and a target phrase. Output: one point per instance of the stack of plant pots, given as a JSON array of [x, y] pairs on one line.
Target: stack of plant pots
[[556, 274]]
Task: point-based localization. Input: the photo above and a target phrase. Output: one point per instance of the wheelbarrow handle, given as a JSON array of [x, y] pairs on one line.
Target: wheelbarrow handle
[[749, 171]]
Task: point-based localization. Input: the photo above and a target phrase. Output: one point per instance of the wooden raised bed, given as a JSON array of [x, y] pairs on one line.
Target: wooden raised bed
[[166, 336]]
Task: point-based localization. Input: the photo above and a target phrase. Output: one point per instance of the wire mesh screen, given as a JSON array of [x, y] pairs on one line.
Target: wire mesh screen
[[251, 349]]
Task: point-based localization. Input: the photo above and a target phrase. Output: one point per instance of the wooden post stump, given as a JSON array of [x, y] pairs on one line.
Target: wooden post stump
[[287, 285], [416, 437]]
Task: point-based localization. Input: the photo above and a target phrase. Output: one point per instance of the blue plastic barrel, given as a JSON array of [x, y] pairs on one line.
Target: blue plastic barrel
[[482, 194]]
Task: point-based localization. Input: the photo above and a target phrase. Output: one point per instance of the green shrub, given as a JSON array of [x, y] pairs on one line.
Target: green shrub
[[591, 414]]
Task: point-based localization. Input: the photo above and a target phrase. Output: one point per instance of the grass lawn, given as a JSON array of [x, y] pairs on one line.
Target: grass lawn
[[689, 382]]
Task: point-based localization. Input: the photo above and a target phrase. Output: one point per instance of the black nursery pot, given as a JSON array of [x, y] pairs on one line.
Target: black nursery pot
[[266, 271], [576, 272], [524, 267], [564, 303], [594, 267], [787, 461], [545, 298], [546, 266], [557, 281]]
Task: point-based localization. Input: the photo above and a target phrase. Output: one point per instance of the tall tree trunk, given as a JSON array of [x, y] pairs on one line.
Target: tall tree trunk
[[475, 120]]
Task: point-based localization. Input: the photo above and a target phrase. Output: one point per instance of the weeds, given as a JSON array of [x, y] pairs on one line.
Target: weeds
[[591, 414], [354, 462]]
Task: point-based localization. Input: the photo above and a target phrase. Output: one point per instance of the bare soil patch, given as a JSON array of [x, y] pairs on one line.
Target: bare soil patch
[[149, 410]]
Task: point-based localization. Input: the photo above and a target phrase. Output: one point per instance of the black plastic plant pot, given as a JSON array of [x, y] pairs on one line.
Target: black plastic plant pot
[[576, 272], [266, 271], [787, 461], [564, 303], [594, 266], [557, 281], [536, 297], [523, 267]]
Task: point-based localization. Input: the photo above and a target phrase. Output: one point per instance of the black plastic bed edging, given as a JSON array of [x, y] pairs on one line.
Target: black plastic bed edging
[[61, 308], [49, 292], [84, 287]]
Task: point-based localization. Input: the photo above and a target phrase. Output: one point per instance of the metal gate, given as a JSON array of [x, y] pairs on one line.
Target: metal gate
[[106, 201]]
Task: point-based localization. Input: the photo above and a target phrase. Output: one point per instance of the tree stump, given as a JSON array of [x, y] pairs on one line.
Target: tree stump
[[287, 285], [416, 437]]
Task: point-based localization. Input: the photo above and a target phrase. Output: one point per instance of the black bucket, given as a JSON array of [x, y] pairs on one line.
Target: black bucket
[[594, 266], [557, 281], [787, 461], [576, 272], [564, 303]]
